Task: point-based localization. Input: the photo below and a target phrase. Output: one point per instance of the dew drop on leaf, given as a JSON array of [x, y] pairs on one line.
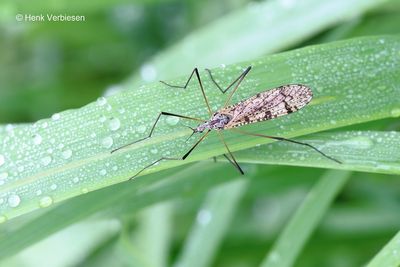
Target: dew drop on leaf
[[395, 112], [75, 180], [14, 201], [66, 154], [46, 160], [204, 217], [55, 117], [114, 124], [107, 142], [101, 101], [37, 139], [53, 187], [3, 219], [45, 201], [103, 172], [2, 160], [172, 120], [141, 129]]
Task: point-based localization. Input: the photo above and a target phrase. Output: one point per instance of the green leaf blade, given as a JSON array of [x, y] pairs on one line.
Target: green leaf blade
[[353, 81]]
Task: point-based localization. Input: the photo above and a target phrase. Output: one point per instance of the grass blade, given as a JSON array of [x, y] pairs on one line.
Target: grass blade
[[54, 159], [212, 222], [141, 193], [270, 26], [367, 151], [389, 256], [305, 220]]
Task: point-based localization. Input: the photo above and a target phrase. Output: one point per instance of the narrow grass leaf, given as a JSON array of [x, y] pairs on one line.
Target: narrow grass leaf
[[69, 154], [367, 151], [261, 28], [389, 256], [307, 217], [141, 193], [211, 224]]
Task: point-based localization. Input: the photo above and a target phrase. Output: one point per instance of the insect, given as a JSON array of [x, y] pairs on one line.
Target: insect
[[263, 106]]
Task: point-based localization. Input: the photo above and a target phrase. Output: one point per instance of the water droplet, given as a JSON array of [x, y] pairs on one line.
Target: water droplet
[[66, 154], [121, 110], [85, 190], [37, 139], [45, 201], [204, 217], [103, 172], [148, 72], [172, 120], [14, 201], [275, 257], [141, 129], [115, 168], [55, 117], [333, 122], [154, 150], [114, 124], [102, 118], [3, 176], [2, 160], [38, 192], [21, 168], [3, 219], [9, 128], [101, 101], [53, 187], [107, 142], [75, 180], [45, 124], [46, 160], [395, 112]]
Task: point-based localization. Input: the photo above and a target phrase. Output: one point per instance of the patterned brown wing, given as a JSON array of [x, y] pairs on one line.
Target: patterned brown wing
[[268, 105]]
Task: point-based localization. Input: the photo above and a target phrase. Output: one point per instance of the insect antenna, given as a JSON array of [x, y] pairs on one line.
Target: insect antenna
[[288, 140]]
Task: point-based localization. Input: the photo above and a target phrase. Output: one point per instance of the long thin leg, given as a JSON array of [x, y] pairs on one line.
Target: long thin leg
[[233, 161], [239, 81], [288, 140], [241, 76], [195, 71], [168, 158], [154, 126]]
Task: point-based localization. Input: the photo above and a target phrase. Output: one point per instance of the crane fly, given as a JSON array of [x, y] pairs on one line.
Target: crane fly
[[266, 105]]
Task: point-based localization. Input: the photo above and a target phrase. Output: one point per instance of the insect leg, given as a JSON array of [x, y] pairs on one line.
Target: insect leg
[[195, 71], [232, 160], [168, 158], [289, 140], [241, 76], [240, 79], [154, 126]]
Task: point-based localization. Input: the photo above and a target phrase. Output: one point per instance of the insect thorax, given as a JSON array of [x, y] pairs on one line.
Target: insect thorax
[[217, 122]]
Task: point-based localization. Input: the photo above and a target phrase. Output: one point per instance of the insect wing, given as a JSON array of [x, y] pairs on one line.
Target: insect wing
[[268, 105]]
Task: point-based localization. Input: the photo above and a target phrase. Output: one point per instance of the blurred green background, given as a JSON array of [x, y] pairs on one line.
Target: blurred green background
[[47, 67]]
